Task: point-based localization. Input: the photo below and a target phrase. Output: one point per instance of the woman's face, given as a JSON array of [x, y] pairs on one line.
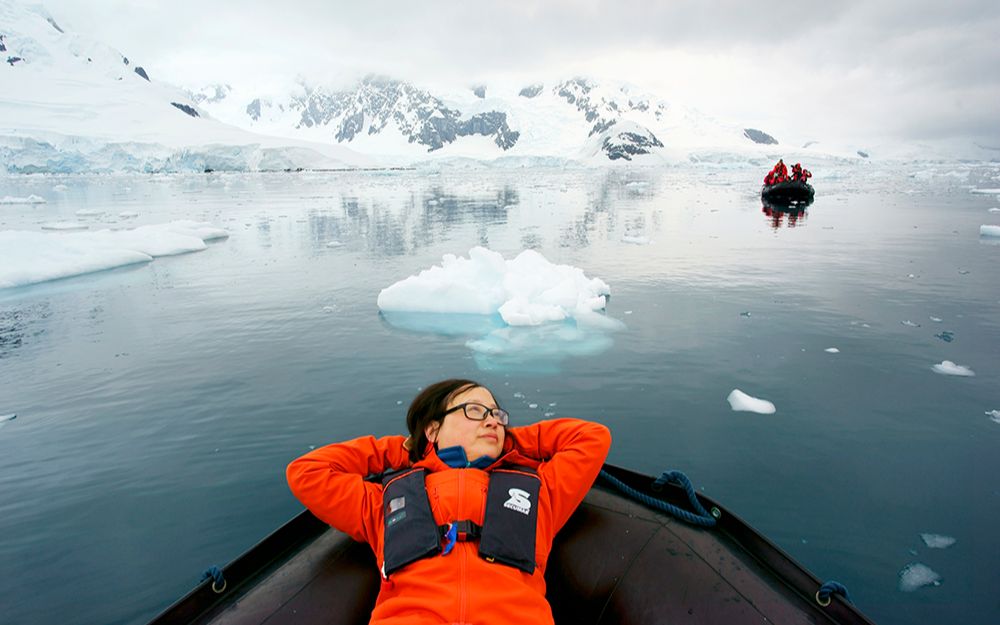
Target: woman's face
[[477, 438]]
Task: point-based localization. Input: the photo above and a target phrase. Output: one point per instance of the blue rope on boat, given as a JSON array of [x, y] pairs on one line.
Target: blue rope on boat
[[218, 579], [829, 588], [703, 518]]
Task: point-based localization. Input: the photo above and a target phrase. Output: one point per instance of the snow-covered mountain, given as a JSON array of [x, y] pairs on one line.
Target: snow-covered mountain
[[579, 119], [69, 103]]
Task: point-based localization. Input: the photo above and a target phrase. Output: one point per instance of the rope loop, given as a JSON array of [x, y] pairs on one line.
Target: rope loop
[[702, 518], [218, 579], [828, 589]]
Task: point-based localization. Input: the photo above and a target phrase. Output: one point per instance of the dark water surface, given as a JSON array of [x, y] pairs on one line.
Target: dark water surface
[[159, 404]]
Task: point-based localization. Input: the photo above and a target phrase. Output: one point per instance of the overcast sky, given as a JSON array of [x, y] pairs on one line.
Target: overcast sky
[[915, 69]]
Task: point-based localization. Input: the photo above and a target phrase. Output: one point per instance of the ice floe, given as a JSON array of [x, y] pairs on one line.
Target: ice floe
[[937, 541], [526, 291], [947, 367], [64, 225], [832, 350], [994, 210], [989, 231], [31, 257], [741, 402], [635, 239], [994, 415], [31, 199], [916, 575], [986, 191], [524, 314]]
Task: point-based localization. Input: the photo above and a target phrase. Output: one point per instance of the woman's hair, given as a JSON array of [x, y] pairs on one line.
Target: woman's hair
[[429, 406]]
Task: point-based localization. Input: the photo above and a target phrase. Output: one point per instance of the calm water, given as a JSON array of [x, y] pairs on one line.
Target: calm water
[[159, 404]]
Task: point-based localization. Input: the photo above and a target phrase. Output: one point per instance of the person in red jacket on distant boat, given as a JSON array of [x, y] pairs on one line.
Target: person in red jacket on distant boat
[[461, 514], [796, 172]]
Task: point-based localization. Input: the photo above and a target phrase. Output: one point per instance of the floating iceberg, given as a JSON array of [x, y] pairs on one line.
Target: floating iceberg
[[937, 541], [947, 367], [741, 402], [31, 199], [524, 314], [526, 291], [31, 257], [915, 575]]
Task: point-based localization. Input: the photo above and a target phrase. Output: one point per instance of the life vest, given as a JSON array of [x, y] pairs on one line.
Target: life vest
[[507, 534]]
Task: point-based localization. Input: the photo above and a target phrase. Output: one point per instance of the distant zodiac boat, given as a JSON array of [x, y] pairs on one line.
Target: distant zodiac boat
[[787, 192], [615, 561]]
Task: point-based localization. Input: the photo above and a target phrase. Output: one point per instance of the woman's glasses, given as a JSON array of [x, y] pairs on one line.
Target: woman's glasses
[[479, 412]]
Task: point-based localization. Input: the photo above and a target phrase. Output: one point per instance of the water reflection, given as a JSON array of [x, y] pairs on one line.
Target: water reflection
[[499, 347], [790, 215]]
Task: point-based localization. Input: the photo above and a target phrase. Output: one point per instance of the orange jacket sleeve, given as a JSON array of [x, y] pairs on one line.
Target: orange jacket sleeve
[[572, 452], [330, 482]]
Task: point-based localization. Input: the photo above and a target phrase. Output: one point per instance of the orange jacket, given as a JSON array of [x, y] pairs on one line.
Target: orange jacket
[[459, 587]]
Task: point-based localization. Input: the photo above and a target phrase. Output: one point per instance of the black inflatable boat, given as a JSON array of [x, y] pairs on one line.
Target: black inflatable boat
[[787, 192], [615, 561]]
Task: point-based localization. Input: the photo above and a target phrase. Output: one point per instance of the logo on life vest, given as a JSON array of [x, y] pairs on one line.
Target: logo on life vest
[[518, 501]]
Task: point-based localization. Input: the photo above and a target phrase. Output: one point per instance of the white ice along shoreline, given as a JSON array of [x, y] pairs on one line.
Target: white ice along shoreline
[[31, 257], [525, 291]]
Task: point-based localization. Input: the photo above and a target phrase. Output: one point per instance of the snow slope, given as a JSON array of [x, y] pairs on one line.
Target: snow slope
[[69, 103]]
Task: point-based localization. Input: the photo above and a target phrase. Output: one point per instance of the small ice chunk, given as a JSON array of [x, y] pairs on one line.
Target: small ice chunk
[[64, 225], [986, 191], [334, 244], [128, 214], [994, 415], [937, 319], [31, 199], [6, 418], [741, 402], [910, 324], [994, 210], [937, 541], [549, 414], [519, 395], [60, 187], [946, 336], [532, 405], [915, 575], [832, 350], [628, 312], [989, 231], [635, 239], [89, 212], [947, 367]]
